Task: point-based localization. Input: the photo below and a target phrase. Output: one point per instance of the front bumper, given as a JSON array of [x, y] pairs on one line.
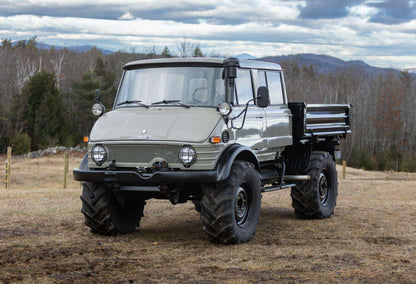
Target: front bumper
[[135, 178]]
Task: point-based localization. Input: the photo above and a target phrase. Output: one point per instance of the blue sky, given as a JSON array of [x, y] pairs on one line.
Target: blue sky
[[380, 32]]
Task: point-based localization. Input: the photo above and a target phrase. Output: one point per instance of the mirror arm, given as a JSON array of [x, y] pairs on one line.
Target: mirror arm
[[97, 97], [244, 117]]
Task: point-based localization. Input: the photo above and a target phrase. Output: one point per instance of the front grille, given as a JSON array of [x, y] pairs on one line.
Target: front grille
[[143, 154]]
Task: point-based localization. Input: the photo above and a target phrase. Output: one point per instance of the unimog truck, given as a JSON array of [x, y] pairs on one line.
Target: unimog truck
[[217, 132]]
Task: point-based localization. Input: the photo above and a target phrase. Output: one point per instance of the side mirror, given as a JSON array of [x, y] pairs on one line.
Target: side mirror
[[263, 99]]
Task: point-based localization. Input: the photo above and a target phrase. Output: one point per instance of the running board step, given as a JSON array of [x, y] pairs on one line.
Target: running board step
[[277, 187]]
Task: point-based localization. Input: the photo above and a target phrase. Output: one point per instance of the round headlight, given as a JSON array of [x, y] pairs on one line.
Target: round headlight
[[187, 155], [97, 109], [225, 108], [98, 154]]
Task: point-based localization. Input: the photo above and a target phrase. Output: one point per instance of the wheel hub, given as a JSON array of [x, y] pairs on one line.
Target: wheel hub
[[323, 188], [241, 205]]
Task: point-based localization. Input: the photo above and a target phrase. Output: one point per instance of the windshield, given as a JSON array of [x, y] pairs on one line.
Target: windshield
[[186, 86]]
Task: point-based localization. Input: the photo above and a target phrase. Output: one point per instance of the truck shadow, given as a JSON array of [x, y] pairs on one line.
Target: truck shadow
[[189, 228], [277, 212]]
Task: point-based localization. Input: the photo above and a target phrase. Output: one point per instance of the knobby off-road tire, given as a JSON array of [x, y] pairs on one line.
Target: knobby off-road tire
[[316, 198], [105, 215], [230, 211]]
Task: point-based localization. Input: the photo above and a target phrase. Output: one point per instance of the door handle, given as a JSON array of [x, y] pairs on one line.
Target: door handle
[[259, 116]]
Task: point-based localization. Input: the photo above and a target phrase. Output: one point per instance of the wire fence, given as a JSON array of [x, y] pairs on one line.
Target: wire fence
[[40, 171], [53, 169]]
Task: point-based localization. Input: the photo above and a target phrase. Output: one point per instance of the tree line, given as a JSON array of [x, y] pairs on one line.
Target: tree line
[[383, 111], [46, 96]]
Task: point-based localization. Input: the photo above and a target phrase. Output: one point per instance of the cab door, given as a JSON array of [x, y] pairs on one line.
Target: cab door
[[278, 117], [249, 131]]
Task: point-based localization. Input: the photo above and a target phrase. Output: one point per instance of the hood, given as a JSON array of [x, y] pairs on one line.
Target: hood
[[168, 123]]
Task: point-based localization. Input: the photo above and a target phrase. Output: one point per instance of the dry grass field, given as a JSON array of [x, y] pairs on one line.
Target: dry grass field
[[371, 237]]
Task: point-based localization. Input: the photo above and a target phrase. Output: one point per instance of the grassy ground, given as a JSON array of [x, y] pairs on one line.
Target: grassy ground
[[370, 238]]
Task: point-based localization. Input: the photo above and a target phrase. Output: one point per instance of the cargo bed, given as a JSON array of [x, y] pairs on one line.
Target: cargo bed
[[320, 120]]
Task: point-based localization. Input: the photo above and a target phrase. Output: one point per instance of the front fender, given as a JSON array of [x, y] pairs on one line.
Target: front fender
[[232, 153]]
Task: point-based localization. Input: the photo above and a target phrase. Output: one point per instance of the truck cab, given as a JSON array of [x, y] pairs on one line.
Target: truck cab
[[207, 130]]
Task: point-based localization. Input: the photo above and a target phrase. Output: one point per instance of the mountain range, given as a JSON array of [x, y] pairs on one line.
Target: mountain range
[[327, 64], [75, 48], [321, 63]]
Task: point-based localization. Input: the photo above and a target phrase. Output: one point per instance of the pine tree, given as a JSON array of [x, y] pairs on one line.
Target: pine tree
[[44, 116], [197, 52], [166, 53]]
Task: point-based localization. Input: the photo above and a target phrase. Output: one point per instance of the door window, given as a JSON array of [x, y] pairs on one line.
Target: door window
[[244, 86], [274, 83]]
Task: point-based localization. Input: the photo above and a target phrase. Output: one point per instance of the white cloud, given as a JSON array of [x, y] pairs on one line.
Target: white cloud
[[261, 28], [127, 16]]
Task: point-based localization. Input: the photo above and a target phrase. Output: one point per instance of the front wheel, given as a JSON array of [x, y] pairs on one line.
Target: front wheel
[[105, 215], [197, 205], [231, 210], [317, 197]]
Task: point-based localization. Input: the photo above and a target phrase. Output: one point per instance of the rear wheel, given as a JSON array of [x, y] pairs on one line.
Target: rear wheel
[[105, 214], [230, 211], [316, 198]]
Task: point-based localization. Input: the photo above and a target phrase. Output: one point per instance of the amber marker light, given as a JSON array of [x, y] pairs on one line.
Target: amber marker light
[[215, 140], [85, 138]]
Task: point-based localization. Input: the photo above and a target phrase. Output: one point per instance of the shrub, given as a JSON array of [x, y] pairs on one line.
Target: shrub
[[21, 143], [408, 164], [362, 159]]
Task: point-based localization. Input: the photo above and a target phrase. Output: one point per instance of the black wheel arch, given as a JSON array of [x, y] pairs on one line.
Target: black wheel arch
[[232, 153], [84, 163]]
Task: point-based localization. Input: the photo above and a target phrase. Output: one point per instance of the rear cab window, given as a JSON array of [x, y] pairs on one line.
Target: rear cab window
[[262, 78]]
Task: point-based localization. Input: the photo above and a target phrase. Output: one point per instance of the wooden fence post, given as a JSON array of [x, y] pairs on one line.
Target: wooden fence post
[[65, 167], [344, 165], [6, 180], [8, 168]]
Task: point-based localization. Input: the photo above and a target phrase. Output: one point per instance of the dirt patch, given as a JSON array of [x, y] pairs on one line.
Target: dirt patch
[[386, 240], [370, 238]]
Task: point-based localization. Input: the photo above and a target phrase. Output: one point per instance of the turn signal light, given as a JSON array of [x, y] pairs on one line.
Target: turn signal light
[[85, 138], [215, 140]]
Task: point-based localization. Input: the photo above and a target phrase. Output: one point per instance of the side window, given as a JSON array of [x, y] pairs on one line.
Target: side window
[[244, 87], [274, 83]]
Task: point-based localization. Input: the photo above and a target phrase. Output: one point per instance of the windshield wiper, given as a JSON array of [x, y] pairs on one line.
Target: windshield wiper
[[132, 102], [171, 102]]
